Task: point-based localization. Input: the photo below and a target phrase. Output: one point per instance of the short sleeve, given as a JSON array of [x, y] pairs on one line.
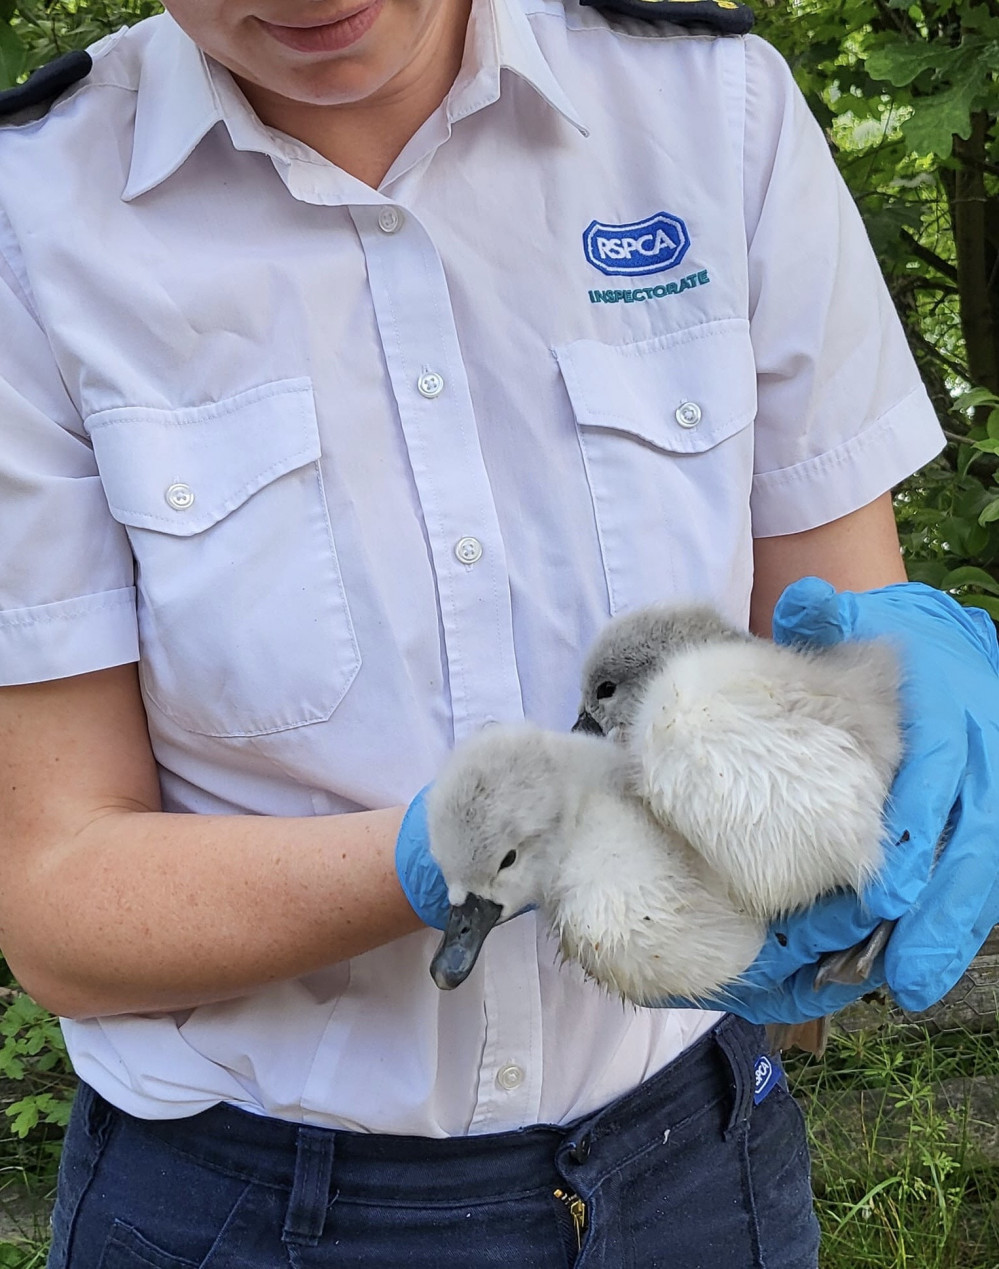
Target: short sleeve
[[843, 415], [67, 598]]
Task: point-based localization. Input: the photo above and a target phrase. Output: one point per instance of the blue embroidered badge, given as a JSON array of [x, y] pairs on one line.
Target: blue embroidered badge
[[644, 246], [767, 1072]]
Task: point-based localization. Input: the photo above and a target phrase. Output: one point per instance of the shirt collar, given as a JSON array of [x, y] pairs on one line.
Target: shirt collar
[[176, 106], [182, 94], [500, 38]]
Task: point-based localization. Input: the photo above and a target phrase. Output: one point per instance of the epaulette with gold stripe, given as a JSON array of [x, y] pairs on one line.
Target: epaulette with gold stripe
[[44, 85], [728, 17]]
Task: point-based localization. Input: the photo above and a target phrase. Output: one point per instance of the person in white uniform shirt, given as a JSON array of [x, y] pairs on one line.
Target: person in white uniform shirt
[[360, 360]]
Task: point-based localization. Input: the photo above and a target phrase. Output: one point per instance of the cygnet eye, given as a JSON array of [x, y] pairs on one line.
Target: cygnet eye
[[508, 859], [605, 689]]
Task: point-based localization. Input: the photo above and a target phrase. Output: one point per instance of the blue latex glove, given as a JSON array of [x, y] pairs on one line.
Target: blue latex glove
[[419, 875], [945, 910]]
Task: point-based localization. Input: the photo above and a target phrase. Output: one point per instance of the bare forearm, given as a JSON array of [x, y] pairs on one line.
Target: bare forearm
[[145, 911], [858, 552]]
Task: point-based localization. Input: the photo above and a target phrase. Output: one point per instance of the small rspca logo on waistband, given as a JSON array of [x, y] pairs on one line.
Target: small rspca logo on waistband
[[645, 246], [766, 1072]]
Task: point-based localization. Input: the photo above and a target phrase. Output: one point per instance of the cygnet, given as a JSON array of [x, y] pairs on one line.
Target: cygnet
[[773, 762], [524, 818]]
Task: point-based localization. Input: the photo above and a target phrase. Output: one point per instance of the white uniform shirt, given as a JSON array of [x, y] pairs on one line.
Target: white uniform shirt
[[380, 464]]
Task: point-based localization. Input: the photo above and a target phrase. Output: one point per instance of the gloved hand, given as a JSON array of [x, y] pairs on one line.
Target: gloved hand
[[419, 875], [945, 906]]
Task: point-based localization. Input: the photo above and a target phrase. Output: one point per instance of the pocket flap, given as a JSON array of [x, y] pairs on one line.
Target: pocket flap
[[642, 388], [181, 471]]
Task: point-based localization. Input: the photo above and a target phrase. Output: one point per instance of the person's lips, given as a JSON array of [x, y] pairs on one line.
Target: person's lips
[[326, 37]]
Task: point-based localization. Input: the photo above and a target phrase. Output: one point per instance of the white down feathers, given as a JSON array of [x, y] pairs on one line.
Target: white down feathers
[[773, 763]]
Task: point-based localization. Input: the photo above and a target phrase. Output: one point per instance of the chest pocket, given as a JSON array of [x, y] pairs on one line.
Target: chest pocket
[[243, 620], [664, 429]]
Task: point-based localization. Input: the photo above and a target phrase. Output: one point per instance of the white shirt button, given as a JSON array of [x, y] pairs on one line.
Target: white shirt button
[[468, 550], [509, 1077], [180, 496], [430, 384], [390, 220], [688, 414]]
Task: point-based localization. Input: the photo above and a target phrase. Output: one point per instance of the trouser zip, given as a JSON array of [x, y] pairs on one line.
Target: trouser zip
[[577, 1210]]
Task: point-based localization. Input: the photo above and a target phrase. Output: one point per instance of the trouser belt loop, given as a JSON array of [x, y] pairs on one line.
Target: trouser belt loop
[[741, 1062], [310, 1191]]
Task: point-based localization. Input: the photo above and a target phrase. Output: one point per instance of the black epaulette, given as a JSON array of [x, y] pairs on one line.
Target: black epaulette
[[728, 17], [44, 85]]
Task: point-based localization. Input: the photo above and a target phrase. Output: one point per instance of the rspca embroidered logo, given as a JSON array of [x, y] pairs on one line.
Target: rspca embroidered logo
[[766, 1073], [644, 246]]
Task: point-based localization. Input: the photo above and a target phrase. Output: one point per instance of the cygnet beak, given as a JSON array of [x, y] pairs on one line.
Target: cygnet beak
[[467, 927], [588, 724]]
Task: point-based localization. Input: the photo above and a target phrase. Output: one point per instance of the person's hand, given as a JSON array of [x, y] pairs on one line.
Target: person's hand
[[779, 985], [420, 878], [945, 790], [945, 901]]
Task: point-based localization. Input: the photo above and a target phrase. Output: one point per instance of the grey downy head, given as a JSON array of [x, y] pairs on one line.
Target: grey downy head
[[494, 817], [630, 651]]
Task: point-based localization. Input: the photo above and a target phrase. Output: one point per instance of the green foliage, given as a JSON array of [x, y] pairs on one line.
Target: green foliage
[[21, 1256], [908, 93], [36, 1090], [32, 32], [33, 1054], [900, 1176]]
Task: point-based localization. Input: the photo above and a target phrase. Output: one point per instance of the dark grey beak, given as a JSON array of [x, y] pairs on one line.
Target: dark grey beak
[[587, 723], [466, 931]]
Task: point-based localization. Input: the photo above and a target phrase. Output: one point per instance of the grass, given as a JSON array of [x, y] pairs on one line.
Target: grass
[[905, 1141]]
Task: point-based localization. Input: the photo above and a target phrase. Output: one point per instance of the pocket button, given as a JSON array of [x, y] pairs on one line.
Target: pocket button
[[180, 497], [688, 414]]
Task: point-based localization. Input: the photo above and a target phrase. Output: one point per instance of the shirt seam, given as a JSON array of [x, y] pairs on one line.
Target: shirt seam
[[804, 471], [19, 617], [200, 413]]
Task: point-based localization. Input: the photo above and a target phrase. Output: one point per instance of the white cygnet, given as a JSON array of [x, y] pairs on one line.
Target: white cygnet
[[522, 817], [773, 762]]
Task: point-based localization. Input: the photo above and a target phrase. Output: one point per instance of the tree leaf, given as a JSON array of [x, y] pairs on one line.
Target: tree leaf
[[899, 63], [936, 120], [932, 572], [969, 575], [24, 1115], [991, 513], [975, 397], [13, 55]]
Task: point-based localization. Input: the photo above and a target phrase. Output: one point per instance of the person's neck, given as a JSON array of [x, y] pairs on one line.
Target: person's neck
[[365, 138]]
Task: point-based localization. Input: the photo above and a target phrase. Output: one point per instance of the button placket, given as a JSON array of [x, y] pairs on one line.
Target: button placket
[[412, 309]]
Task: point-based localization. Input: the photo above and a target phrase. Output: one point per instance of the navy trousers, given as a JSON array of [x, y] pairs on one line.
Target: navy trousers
[[684, 1172]]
